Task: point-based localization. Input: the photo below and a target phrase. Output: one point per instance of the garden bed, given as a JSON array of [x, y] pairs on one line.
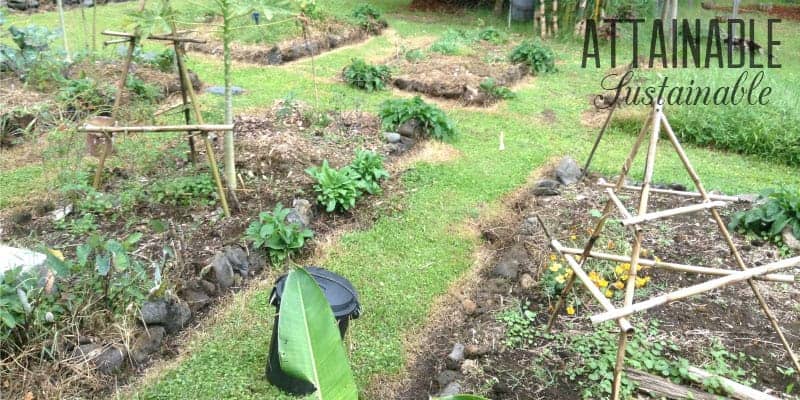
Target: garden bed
[[459, 77], [323, 36], [499, 313], [275, 147]]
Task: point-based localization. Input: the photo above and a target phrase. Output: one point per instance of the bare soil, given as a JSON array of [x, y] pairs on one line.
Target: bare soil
[[539, 371]]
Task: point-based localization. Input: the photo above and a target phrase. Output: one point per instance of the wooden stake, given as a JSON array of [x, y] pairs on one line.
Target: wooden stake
[[693, 290], [729, 240], [783, 278], [642, 218], [542, 19], [184, 97], [735, 390], [157, 128], [717, 197], [658, 387]]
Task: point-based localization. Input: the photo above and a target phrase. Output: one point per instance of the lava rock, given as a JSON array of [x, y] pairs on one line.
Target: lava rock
[[411, 129], [105, 359], [335, 40], [154, 312], [475, 351], [568, 172], [231, 259], [392, 137], [530, 227], [172, 314], [446, 377], [470, 367], [546, 187], [509, 264], [274, 56], [300, 213], [452, 389], [455, 358], [146, 343], [195, 299], [220, 90], [678, 187]]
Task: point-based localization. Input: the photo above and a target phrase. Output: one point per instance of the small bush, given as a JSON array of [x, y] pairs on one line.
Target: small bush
[[32, 60], [492, 35], [279, 238], [536, 55], [142, 89], [415, 55], [452, 42], [368, 167], [777, 211], [336, 189], [83, 94], [397, 111], [495, 91], [185, 191], [367, 77], [368, 18]]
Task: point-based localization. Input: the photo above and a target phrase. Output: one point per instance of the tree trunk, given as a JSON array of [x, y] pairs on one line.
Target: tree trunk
[[229, 155], [498, 7]]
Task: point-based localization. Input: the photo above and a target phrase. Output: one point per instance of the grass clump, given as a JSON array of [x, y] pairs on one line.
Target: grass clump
[[278, 237], [395, 112], [540, 58], [452, 42], [364, 76]]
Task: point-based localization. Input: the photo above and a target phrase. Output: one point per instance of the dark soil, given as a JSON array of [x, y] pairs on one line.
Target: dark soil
[[538, 371], [322, 37], [459, 77]]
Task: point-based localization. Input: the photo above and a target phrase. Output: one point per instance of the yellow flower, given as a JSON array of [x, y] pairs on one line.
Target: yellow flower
[[609, 293], [555, 267], [560, 279], [553, 257], [577, 258], [568, 274], [571, 310], [593, 276], [602, 283], [619, 270], [658, 260], [573, 237], [619, 285], [640, 282]]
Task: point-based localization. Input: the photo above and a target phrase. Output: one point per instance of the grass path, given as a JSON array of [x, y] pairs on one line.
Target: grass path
[[405, 261]]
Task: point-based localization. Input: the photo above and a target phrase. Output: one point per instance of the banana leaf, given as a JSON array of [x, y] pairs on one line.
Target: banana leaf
[[309, 344]]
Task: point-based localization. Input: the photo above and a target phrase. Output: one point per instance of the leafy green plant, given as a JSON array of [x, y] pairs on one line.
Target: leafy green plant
[[368, 167], [164, 61], [32, 60], [778, 210], [415, 55], [336, 189], [536, 55], [362, 75], [452, 42], [495, 91], [395, 112], [83, 94], [492, 35], [143, 90], [309, 343], [368, 18], [279, 238], [185, 191], [519, 322]]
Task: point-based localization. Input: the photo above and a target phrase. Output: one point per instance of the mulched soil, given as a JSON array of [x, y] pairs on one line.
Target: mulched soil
[[274, 146], [322, 36], [458, 77], [730, 315]]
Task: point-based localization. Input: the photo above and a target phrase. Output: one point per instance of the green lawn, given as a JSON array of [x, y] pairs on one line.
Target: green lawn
[[405, 261]]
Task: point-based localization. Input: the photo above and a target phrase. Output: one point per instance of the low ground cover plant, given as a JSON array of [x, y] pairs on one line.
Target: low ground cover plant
[[184, 191], [776, 211], [540, 58], [280, 239], [453, 41], [493, 35], [368, 18], [495, 91], [365, 76], [395, 112]]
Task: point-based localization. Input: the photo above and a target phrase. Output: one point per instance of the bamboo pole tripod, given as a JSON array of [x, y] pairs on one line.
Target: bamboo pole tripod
[[189, 101], [657, 122]]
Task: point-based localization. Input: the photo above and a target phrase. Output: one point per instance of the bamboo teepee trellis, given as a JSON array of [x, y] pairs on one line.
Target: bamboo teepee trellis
[[657, 121]]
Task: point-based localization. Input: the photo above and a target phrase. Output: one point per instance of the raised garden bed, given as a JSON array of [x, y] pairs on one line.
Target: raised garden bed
[[499, 313]]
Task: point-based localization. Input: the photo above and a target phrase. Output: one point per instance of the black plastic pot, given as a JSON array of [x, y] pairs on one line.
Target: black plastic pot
[[342, 297]]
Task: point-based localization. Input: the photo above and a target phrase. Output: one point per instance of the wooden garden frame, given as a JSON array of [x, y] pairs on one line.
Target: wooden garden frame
[[189, 100], [657, 121]]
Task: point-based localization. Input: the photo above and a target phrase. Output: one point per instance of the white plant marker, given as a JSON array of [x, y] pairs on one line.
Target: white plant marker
[[502, 141]]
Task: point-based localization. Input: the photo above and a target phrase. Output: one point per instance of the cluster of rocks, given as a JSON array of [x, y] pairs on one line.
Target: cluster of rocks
[[461, 362], [406, 136], [23, 5], [568, 172]]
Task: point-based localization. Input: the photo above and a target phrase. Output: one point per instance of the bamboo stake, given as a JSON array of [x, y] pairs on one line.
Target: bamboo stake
[[696, 289], [617, 202], [729, 240], [599, 138], [184, 98], [718, 197], [626, 166], [542, 19], [163, 128], [735, 390], [212, 162], [639, 219], [555, 17], [783, 278]]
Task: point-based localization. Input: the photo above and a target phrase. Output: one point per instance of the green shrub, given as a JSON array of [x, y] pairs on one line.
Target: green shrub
[[415, 55], [536, 55], [368, 167], [771, 132], [368, 18], [143, 90], [32, 60], [164, 61], [492, 35], [453, 42], [495, 91], [83, 94], [185, 191], [367, 77], [279, 238], [336, 189], [395, 112], [777, 211]]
